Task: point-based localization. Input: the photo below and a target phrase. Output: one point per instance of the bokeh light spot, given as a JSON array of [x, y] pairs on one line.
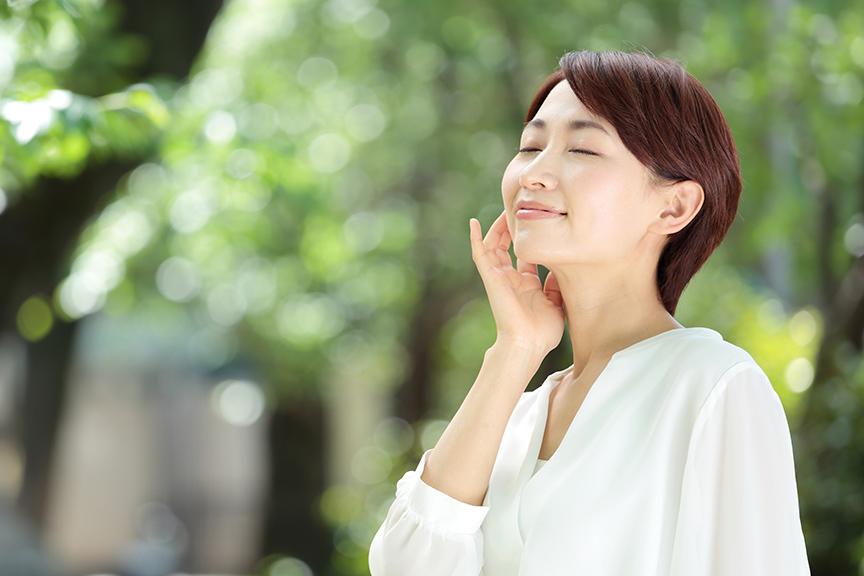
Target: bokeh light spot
[[296, 121], [340, 13], [130, 232], [856, 49], [11, 469], [289, 567], [178, 279], [101, 264], [853, 239], [373, 24], [317, 71], [238, 402], [191, 211], [242, 163], [258, 121], [371, 465], [494, 50], [395, 436], [329, 153], [341, 504], [35, 318], [308, 320], [365, 122], [81, 293], [802, 327], [146, 180], [226, 305], [425, 60], [431, 432], [220, 127], [216, 87], [158, 524], [29, 118], [363, 231], [59, 99], [799, 374]]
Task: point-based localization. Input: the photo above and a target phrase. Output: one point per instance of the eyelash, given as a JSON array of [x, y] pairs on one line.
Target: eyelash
[[577, 150]]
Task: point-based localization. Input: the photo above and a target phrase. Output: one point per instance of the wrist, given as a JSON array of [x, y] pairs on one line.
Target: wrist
[[517, 351], [509, 366]]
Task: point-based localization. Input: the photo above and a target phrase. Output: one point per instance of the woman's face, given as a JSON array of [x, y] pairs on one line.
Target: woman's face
[[574, 194]]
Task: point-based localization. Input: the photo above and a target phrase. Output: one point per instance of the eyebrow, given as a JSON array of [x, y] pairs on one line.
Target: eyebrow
[[574, 125]]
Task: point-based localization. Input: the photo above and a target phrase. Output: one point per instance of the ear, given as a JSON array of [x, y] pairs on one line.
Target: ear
[[683, 200]]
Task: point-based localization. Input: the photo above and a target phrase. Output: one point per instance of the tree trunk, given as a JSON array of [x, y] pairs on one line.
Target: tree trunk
[[294, 527], [413, 400], [47, 367], [36, 237]]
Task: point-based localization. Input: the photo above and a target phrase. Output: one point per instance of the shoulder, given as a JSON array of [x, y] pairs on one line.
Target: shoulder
[[707, 347], [694, 364], [724, 378], [702, 354]]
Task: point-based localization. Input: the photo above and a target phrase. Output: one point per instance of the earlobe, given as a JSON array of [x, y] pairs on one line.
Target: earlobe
[[683, 202]]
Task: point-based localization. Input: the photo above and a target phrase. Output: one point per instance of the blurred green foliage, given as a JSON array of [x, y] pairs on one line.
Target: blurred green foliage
[[51, 124], [309, 200]]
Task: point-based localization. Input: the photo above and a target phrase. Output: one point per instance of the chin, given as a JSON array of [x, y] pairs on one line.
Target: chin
[[545, 254], [532, 254]]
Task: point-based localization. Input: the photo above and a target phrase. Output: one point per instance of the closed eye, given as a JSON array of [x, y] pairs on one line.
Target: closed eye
[[576, 151]]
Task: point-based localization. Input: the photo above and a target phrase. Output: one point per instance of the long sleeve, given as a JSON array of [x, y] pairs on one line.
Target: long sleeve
[[428, 533], [739, 513]]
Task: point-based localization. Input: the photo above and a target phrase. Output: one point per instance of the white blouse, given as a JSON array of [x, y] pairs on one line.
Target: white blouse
[[679, 463]]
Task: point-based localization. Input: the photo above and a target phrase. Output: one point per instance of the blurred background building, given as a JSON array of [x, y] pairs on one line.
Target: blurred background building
[[237, 299]]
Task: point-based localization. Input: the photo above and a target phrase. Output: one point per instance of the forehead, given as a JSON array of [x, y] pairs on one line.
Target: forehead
[[562, 107]]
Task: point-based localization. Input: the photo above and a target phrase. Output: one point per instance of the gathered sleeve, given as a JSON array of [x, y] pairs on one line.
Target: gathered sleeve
[[428, 533], [739, 513]]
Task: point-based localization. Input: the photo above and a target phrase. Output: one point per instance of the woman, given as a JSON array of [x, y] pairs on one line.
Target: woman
[[662, 450]]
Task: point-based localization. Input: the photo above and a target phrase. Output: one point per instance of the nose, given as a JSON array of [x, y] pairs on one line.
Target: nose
[[538, 175]]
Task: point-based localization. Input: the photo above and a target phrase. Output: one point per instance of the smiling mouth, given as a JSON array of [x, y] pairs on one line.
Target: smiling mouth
[[537, 213], [542, 210]]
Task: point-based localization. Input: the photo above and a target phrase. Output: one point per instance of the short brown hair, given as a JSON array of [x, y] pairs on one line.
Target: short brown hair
[[671, 124]]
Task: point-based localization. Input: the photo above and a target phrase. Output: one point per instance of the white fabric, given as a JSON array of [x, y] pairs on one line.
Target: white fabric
[[539, 465], [678, 463]]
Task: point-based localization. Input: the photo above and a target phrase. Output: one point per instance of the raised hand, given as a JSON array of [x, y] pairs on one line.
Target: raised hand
[[527, 313]]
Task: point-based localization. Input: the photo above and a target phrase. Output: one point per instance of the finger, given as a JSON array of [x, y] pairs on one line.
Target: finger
[[475, 234], [506, 238], [553, 290], [484, 261], [474, 229], [499, 234], [502, 250], [526, 267], [497, 242]]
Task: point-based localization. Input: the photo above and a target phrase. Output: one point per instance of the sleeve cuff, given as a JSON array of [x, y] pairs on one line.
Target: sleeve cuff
[[438, 508]]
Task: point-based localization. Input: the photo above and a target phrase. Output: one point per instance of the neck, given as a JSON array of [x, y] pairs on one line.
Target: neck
[[609, 310]]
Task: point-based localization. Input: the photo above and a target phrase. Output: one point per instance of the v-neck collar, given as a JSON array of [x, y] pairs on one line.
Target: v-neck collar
[[554, 379]]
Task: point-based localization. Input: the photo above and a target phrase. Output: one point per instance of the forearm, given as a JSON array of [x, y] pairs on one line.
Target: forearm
[[462, 461]]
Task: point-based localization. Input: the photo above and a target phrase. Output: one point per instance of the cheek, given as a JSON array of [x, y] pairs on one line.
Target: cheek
[[510, 183]]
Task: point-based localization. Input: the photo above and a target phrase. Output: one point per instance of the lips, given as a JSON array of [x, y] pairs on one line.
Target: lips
[[530, 209]]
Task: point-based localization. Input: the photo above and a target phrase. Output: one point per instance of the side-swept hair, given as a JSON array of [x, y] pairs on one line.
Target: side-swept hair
[[673, 126]]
